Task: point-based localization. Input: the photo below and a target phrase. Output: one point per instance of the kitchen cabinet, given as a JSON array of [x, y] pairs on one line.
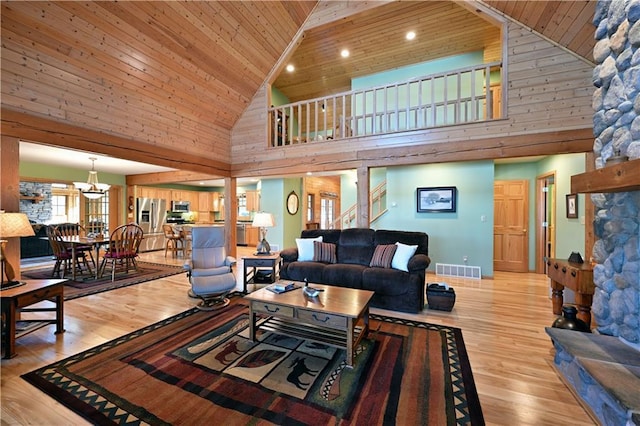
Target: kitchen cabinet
[[204, 202], [217, 200], [252, 201], [190, 196], [147, 192], [252, 235], [164, 194]]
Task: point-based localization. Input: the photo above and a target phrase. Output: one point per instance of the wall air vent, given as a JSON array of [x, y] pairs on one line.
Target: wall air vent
[[464, 271]]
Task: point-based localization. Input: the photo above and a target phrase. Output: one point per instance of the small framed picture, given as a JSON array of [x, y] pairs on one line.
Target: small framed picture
[[441, 199], [572, 206]]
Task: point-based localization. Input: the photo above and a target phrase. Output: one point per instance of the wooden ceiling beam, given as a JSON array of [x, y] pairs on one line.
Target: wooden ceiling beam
[[549, 143], [43, 130], [168, 177]]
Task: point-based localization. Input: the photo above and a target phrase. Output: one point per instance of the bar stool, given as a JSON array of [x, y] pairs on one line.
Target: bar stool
[[173, 241], [187, 239]]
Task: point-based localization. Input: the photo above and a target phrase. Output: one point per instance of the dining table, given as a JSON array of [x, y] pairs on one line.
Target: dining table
[[76, 241]]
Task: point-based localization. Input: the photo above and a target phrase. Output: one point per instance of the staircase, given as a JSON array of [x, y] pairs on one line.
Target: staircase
[[377, 208]]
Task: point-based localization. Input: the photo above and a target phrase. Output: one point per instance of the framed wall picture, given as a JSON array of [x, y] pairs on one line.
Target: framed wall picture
[[572, 206], [441, 199]]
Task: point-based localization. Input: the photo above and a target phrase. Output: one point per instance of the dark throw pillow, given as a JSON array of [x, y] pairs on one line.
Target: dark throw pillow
[[324, 252], [383, 256]]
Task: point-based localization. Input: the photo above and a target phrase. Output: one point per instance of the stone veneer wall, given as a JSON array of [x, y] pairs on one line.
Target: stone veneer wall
[[38, 212], [616, 126]]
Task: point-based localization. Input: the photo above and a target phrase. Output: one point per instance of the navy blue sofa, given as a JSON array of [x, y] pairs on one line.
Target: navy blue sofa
[[394, 289]]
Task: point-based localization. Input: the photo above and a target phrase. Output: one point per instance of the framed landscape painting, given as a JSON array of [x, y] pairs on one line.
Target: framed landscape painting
[[441, 199]]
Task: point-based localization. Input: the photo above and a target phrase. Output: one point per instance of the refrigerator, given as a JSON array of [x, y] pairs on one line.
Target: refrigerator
[[151, 215]]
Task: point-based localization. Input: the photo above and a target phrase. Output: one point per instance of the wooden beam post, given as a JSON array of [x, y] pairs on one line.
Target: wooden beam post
[[363, 197], [10, 192]]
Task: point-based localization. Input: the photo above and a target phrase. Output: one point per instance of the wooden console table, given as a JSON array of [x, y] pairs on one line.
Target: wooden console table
[[15, 299], [576, 276]]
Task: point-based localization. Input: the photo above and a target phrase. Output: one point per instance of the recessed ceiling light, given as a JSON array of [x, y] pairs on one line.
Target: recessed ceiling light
[[411, 35], [290, 68], [344, 53], [309, 173]]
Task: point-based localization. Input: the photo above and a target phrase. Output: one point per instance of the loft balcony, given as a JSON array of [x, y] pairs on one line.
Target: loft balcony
[[465, 95]]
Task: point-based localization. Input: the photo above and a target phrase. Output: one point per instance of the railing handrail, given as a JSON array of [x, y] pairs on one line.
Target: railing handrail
[[456, 96], [389, 85]]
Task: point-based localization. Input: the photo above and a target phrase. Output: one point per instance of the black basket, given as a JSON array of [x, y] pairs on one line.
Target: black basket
[[440, 298], [263, 277]]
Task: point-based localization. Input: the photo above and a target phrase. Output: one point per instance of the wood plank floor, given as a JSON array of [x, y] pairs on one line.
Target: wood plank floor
[[502, 321]]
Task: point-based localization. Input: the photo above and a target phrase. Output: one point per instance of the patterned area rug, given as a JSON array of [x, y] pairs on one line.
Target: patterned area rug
[[86, 285], [201, 365]]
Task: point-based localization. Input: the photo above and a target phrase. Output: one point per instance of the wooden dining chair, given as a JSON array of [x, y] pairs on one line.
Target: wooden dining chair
[[122, 249], [63, 255], [76, 230]]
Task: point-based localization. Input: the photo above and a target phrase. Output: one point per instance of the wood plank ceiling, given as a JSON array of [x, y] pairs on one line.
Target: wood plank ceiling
[[179, 74]]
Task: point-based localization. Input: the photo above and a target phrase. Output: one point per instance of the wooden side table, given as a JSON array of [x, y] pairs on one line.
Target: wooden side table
[[15, 299], [252, 264], [576, 276]]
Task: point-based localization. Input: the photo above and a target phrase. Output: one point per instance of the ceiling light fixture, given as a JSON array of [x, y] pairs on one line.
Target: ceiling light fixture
[[410, 35], [92, 189], [290, 68], [344, 53]]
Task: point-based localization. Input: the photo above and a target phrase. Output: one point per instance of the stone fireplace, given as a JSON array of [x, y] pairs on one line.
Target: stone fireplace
[[604, 367], [616, 126]]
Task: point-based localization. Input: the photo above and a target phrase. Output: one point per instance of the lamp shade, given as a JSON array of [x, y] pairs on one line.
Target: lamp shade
[[15, 225], [263, 220]]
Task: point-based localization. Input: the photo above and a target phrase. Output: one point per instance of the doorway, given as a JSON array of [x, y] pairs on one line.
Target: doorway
[[511, 225], [545, 220]]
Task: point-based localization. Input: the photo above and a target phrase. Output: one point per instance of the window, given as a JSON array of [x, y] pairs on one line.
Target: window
[[58, 209], [64, 203], [310, 203], [96, 215], [327, 213]]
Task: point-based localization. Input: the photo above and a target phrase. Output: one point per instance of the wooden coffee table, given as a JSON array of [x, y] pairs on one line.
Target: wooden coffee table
[[337, 316]]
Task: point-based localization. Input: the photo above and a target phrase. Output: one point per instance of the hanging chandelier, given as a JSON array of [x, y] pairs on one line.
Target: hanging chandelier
[[92, 189]]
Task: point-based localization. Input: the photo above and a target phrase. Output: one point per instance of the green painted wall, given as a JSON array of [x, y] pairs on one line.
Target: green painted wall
[[272, 201], [66, 174], [451, 235], [569, 232]]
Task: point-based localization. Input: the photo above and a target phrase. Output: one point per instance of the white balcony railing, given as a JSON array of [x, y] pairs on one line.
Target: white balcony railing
[[459, 96]]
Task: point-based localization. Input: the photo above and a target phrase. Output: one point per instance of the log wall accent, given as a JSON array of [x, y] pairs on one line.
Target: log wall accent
[[175, 75]]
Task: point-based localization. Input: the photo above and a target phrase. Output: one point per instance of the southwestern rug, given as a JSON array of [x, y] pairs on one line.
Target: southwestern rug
[[85, 285], [196, 367]]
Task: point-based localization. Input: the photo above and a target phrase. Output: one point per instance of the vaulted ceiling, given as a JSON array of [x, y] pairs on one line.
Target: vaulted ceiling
[[183, 72]]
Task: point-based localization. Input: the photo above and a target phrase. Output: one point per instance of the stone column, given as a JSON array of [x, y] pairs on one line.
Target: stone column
[[616, 126]]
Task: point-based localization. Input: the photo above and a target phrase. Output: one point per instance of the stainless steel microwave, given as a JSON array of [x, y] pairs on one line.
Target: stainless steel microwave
[[180, 206]]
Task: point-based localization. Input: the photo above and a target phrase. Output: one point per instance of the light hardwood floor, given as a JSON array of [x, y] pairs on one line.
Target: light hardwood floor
[[502, 321]]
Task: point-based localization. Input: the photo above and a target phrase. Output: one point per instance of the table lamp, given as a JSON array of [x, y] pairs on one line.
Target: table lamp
[[11, 225], [263, 221]]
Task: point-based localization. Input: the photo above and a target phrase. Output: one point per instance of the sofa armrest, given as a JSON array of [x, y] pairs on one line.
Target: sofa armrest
[[289, 254], [418, 263]]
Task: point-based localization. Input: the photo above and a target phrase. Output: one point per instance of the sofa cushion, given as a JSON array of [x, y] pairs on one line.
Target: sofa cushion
[[411, 238], [402, 255], [328, 235], [343, 275], [312, 271], [383, 255], [386, 282], [305, 248], [356, 246], [324, 252]]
